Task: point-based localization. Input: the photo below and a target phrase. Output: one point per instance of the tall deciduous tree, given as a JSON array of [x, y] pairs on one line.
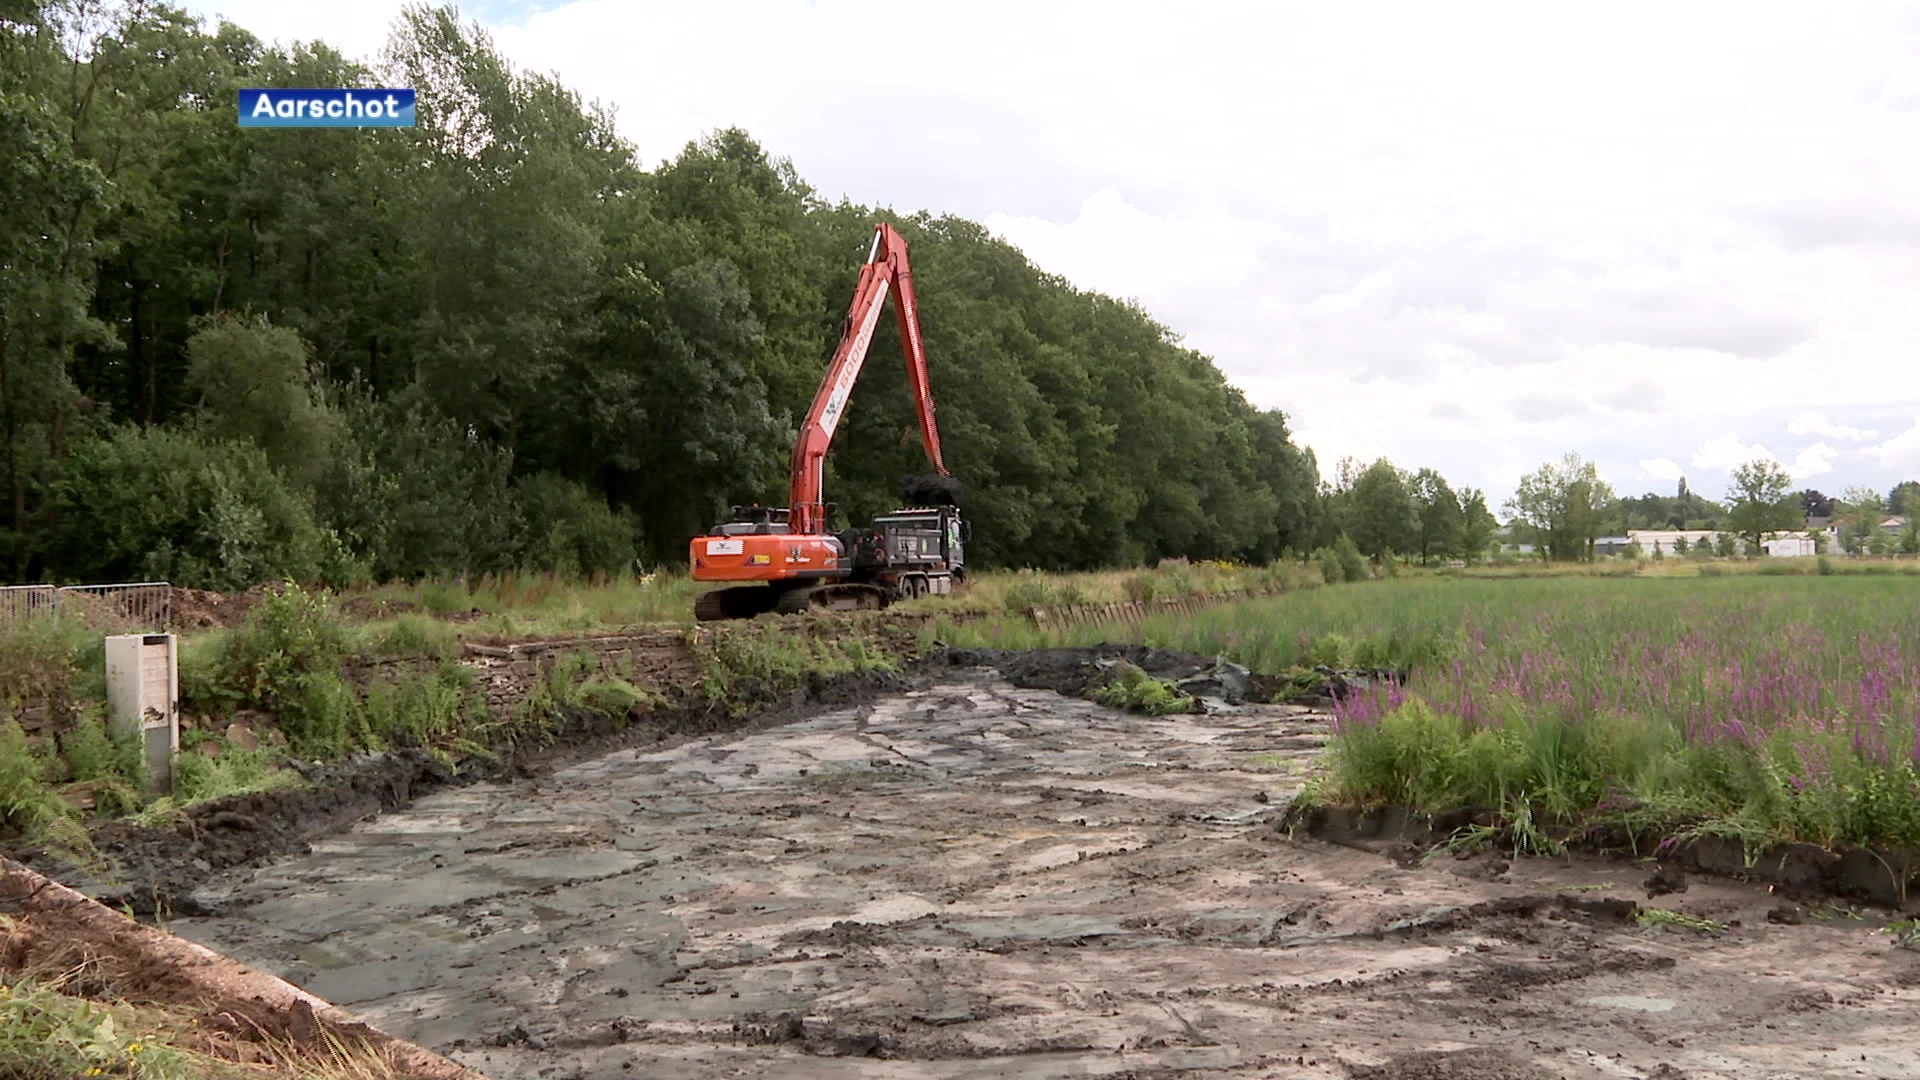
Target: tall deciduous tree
[[1904, 498], [1384, 516], [1565, 504], [1761, 501], [1440, 514], [255, 386], [1861, 514], [1477, 525]]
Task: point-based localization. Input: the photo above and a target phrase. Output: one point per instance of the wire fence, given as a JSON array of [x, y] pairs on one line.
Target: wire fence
[[144, 606]]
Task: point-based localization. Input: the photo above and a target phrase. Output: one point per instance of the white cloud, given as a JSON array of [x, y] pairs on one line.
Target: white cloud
[[1541, 408], [1812, 461], [1115, 247], [1728, 451], [1818, 424], [1662, 469], [1901, 450]]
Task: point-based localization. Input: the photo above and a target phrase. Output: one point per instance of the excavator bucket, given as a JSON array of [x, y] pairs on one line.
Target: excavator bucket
[[930, 491]]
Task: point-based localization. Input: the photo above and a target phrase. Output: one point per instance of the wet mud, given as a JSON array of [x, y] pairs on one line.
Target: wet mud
[[976, 879], [154, 871]]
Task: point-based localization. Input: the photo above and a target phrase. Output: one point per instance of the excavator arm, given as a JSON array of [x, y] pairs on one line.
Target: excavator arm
[[886, 270]]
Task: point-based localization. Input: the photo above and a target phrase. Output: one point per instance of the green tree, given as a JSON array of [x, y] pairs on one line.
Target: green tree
[[157, 504], [1564, 503], [1477, 525], [1761, 501], [1861, 515], [1904, 498], [254, 386], [1384, 517], [1440, 515]]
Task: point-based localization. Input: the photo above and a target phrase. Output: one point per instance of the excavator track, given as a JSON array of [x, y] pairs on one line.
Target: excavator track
[[737, 602], [840, 596]]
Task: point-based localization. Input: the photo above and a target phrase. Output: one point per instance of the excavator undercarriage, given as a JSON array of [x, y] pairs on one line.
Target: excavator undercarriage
[[902, 555]]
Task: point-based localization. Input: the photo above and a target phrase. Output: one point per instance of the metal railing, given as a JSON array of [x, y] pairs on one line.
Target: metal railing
[[135, 607]]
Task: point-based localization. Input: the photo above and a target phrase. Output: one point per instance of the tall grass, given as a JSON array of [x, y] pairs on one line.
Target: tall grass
[[540, 604], [1768, 707]]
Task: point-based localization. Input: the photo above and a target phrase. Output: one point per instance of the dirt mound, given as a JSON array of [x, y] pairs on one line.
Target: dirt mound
[[1074, 671], [930, 491], [201, 609]]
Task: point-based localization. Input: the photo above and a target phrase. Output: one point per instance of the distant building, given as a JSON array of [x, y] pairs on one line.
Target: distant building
[[1783, 544], [1789, 546], [1667, 540], [1612, 545]]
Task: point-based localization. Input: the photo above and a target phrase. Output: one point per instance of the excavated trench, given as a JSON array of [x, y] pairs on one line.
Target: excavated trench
[[976, 879]]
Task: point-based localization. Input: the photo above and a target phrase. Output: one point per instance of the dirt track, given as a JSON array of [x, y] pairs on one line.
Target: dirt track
[[975, 880]]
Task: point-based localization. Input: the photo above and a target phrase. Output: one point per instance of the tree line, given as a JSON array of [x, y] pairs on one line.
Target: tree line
[[497, 341], [1564, 508]]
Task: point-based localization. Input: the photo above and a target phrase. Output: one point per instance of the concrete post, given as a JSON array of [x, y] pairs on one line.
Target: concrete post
[[143, 699]]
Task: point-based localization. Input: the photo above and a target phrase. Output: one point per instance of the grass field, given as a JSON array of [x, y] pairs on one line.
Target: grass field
[[1772, 708]]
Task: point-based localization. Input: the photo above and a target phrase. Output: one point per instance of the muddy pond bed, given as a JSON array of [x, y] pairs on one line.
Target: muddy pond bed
[[966, 877]]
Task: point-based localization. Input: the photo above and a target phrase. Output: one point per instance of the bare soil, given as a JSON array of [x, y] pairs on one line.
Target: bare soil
[[975, 879], [201, 609]]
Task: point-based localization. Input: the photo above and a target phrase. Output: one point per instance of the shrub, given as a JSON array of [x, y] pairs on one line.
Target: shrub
[[287, 660], [420, 709], [36, 659], [412, 496], [1329, 650], [1331, 572], [1353, 565], [160, 504], [1034, 589], [569, 529], [91, 754], [27, 804]]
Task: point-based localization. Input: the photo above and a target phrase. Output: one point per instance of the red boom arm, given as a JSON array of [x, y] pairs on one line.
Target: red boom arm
[[886, 268]]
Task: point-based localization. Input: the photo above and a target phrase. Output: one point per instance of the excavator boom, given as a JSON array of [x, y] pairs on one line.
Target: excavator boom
[[886, 269]]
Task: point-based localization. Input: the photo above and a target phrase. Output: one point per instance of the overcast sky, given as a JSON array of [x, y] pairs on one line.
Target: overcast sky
[[1670, 237]]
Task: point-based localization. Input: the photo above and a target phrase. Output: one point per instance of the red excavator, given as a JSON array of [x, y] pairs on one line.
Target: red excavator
[[788, 554]]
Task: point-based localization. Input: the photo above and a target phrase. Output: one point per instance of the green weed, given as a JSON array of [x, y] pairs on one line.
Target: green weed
[[410, 635], [1126, 686], [1662, 917], [419, 709], [27, 803]]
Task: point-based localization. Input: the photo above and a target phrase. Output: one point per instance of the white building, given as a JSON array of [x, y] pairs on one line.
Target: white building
[[1668, 539], [1783, 544], [1788, 546]]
